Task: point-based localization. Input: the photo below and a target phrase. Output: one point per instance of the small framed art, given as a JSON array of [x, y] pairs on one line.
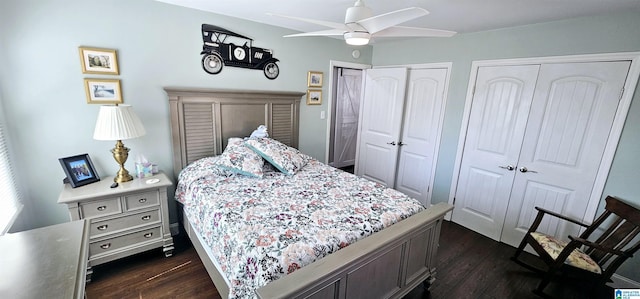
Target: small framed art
[[98, 61], [79, 170], [314, 79], [314, 97], [103, 91]]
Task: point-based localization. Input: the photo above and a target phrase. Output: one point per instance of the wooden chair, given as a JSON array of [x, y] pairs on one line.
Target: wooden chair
[[594, 260]]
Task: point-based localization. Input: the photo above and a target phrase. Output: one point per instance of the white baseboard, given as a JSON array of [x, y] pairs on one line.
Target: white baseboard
[[621, 282], [174, 228]]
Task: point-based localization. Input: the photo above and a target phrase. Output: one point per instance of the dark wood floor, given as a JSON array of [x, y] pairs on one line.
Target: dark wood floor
[[151, 275], [469, 266]]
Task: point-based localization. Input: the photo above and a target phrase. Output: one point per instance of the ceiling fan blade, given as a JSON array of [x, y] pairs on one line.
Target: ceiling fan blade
[[330, 32], [380, 22], [312, 21], [400, 31]]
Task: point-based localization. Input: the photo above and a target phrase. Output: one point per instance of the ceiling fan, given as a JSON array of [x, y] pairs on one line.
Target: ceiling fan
[[360, 26]]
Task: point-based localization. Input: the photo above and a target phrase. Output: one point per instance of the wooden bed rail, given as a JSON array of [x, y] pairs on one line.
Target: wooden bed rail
[[387, 264]]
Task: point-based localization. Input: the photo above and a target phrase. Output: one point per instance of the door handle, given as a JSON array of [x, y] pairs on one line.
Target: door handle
[[392, 143], [508, 167], [401, 144], [524, 169]]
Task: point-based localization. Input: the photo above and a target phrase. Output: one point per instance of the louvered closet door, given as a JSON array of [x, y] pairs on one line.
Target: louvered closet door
[[572, 113]]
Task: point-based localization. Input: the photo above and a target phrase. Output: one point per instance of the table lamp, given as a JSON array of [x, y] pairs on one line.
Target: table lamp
[[118, 122]]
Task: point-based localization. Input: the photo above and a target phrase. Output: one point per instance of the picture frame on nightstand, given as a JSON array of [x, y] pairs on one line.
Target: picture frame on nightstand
[[79, 170]]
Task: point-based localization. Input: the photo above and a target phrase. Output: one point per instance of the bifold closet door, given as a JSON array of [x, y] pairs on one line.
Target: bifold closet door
[[381, 121]]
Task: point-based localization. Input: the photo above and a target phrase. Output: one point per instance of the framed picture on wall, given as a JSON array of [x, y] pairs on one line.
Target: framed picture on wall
[[98, 61], [314, 97], [103, 91], [79, 170], [314, 79]]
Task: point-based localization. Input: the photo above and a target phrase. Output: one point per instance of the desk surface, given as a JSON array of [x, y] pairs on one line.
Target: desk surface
[[48, 262]]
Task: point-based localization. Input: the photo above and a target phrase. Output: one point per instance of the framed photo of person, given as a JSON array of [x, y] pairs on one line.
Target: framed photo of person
[[79, 170]]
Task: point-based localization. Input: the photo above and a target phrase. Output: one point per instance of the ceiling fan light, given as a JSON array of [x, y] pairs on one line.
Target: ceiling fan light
[[357, 38]]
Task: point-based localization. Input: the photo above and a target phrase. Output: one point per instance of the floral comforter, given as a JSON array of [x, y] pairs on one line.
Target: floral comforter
[[262, 229]]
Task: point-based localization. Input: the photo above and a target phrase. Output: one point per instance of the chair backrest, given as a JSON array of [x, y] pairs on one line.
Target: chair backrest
[[621, 234]]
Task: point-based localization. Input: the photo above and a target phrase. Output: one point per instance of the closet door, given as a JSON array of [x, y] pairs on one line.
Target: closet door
[[420, 131], [346, 124], [381, 120], [570, 120], [527, 149], [497, 122]]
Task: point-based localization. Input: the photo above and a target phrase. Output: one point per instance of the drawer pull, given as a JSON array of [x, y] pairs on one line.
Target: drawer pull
[[105, 245], [102, 208], [146, 217], [148, 235], [142, 200], [103, 227]]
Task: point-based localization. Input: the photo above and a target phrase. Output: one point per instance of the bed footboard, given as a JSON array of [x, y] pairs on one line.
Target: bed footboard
[[387, 264]]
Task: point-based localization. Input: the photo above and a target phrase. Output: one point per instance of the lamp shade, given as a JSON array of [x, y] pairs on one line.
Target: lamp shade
[[117, 122]]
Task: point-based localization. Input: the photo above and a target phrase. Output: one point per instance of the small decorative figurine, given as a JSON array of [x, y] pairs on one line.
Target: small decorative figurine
[[260, 132]]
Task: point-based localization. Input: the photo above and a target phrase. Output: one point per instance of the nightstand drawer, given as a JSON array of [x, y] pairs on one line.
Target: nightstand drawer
[[112, 244], [141, 200], [114, 225], [100, 208]]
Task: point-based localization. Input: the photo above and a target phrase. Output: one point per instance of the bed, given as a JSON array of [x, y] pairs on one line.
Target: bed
[[388, 263]]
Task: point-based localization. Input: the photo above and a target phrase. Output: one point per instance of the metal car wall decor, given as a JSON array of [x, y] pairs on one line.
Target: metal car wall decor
[[219, 49]]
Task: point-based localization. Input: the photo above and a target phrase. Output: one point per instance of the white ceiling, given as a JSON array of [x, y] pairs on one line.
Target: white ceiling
[[462, 16]]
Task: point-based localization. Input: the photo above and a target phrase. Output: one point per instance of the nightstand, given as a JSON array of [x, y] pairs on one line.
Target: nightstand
[[124, 220]]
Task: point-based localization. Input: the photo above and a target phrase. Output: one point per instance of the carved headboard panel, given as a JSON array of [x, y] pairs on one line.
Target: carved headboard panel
[[202, 120]]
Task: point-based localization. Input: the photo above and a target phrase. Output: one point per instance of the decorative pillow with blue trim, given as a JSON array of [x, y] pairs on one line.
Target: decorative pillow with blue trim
[[239, 158], [286, 159]]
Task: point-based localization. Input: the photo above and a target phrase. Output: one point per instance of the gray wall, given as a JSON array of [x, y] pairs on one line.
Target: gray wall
[[605, 34], [158, 45]]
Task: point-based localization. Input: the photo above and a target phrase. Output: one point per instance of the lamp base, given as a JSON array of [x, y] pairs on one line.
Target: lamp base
[[120, 154], [122, 177]]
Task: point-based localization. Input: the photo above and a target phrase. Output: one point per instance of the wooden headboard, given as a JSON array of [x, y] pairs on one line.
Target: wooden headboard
[[202, 120]]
